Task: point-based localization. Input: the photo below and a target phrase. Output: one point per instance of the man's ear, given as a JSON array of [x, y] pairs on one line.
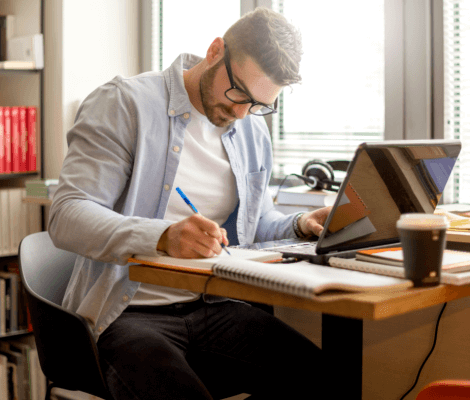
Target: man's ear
[[215, 52]]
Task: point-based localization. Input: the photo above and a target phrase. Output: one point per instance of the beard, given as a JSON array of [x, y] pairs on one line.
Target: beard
[[217, 113]]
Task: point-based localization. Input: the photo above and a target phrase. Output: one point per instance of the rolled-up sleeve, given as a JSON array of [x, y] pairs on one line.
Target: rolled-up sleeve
[[273, 225]]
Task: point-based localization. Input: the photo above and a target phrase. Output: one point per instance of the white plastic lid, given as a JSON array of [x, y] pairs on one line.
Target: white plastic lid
[[417, 221]]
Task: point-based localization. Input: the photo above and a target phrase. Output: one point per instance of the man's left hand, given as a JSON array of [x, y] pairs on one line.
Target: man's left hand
[[311, 223]]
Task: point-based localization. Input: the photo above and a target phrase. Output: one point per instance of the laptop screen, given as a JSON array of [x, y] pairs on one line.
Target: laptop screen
[[383, 181]]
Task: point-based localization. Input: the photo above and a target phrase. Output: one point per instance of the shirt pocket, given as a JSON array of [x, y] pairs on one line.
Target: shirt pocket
[[255, 185]]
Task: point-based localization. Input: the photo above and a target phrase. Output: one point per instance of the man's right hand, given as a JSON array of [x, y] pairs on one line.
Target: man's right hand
[[193, 237]]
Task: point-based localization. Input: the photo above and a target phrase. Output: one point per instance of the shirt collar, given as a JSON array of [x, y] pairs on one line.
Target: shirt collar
[[179, 100]]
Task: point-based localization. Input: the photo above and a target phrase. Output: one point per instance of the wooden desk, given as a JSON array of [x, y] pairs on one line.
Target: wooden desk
[[342, 318]]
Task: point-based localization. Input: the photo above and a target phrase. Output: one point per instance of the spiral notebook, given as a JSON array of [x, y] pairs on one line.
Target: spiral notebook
[[305, 279]]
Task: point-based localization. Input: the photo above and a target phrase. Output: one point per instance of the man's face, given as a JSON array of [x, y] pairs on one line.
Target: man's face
[[248, 76]]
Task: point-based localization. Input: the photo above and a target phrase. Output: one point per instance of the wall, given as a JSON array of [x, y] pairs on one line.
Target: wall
[[87, 43]]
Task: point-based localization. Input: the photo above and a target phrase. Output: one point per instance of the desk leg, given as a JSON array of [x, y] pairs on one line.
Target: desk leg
[[342, 349]]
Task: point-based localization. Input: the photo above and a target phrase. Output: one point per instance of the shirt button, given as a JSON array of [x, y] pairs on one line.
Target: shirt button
[[172, 112], [125, 298], [186, 115], [166, 187], [176, 149], [100, 328]]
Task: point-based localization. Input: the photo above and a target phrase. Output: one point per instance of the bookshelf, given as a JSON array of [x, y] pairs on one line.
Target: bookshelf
[[20, 87], [20, 71], [23, 87], [15, 175]]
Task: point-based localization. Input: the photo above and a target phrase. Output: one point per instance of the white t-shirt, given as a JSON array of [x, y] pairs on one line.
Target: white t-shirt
[[205, 176]]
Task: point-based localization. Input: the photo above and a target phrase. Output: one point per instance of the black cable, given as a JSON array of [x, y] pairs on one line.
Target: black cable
[[432, 349], [288, 260], [280, 186], [203, 294]]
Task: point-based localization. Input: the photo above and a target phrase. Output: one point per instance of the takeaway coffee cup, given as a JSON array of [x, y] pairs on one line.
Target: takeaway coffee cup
[[423, 239]]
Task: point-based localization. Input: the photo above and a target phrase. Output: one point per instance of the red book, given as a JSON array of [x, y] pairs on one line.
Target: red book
[[2, 141], [31, 129], [7, 140], [15, 139], [23, 140]]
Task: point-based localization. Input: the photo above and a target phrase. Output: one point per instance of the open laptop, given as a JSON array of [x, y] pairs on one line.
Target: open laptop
[[383, 181]]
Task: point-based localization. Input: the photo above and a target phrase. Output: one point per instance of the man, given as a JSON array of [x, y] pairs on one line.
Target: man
[[133, 142]]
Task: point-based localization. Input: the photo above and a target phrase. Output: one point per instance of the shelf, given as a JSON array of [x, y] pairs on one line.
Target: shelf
[[13, 175], [15, 333], [37, 200], [9, 254], [20, 71]]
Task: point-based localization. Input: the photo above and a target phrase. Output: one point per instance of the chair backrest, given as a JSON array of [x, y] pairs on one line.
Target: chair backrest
[[66, 348], [46, 270]]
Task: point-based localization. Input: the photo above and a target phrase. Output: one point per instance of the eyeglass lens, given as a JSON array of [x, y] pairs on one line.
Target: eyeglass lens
[[237, 96]]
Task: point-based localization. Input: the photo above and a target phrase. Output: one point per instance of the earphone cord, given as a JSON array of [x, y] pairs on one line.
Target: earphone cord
[[279, 187], [430, 352]]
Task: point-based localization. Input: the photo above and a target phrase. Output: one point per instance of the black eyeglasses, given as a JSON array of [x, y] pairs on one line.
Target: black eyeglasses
[[238, 96]]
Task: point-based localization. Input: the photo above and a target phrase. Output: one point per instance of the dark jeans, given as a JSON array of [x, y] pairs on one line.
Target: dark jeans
[[201, 350]]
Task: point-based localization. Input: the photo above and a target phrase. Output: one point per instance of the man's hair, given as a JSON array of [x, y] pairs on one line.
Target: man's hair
[[271, 41]]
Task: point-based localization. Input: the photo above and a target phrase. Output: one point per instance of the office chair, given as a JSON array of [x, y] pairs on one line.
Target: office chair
[[449, 389], [67, 350]]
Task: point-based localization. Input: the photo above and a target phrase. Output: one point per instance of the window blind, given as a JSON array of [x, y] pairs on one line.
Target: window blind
[[457, 93], [340, 102], [157, 35]]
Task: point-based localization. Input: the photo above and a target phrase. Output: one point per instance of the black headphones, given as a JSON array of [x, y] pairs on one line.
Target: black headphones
[[320, 175]]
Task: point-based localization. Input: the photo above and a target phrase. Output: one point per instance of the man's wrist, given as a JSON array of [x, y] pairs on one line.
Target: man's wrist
[[162, 244], [296, 226]]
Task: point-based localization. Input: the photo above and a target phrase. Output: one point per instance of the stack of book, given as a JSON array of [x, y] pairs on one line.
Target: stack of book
[[389, 262], [302, 198], [41, 187], [18, 139], [17, 220], [19, 52], [459, 221], [21, 376], [13, 305], [27, 49]]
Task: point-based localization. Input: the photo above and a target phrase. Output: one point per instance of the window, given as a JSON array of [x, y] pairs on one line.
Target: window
[[457, 93], [188, 26], [340, 102]]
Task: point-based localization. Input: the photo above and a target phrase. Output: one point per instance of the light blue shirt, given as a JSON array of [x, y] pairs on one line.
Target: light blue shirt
[[117, 177]]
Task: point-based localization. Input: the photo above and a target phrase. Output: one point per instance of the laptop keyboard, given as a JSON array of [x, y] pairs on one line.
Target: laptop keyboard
[[307, 248]]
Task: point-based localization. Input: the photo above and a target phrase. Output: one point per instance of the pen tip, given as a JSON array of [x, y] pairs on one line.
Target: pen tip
[[225, 248]]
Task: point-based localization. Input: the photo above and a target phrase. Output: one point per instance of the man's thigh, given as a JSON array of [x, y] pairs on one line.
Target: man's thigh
[[143, 355]]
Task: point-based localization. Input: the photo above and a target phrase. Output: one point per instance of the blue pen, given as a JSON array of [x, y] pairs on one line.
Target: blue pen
[[194, 209]]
